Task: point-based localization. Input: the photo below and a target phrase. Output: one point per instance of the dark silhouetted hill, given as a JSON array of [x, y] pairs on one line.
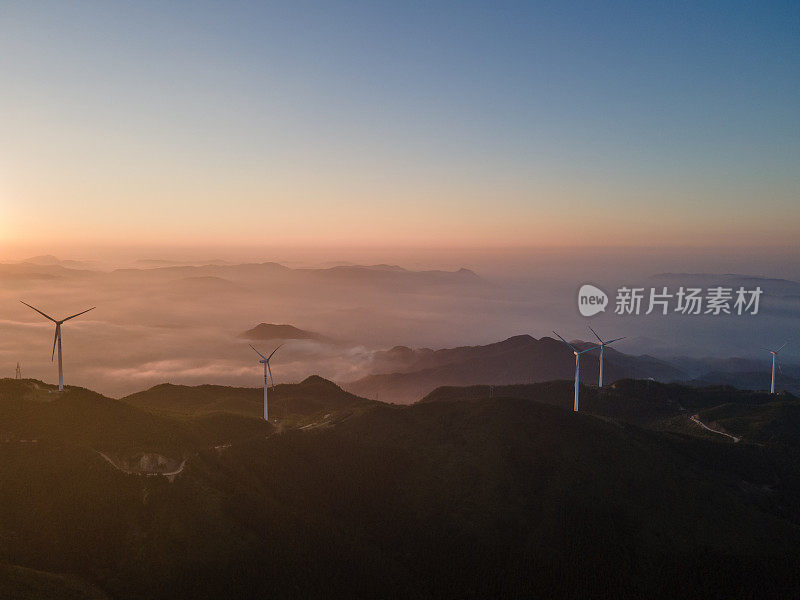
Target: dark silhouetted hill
[[476, 497], [651, 404], [749, 380], [312, 397], [269, 331], [519, 359]]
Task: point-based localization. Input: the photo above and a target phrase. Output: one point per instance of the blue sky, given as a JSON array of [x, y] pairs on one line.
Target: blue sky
[[452, 123]]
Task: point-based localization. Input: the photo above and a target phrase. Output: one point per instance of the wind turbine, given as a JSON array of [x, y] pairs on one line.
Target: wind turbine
[[774, 354], [265, 361], [577, 354], [602, 347], [57, 340]]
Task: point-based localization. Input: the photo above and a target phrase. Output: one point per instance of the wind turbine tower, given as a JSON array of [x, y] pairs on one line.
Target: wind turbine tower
[[267, 371], [774, 355], [18, 374], [57, 339], [602, 347], [577, 354]]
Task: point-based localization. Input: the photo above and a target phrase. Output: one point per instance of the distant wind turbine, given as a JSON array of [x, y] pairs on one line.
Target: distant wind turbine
[[265, 361], [774, 354], [577, 354], [602, 347], [57, 339]]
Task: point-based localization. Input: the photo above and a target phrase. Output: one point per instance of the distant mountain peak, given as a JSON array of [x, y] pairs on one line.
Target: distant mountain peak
[[317, 380], [519, 338], [44, 259], [403, 375], [381, 267], [270, 331], [385, 267]]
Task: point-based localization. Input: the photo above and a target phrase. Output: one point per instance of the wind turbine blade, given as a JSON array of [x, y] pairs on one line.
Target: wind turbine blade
[[615, 340], [566, 342], [257, 352], [270, 375], [40, 312], [767, 349], [587, 350], [273, 352], [782, 347], [79, 314], [55, 340], [595, 334]]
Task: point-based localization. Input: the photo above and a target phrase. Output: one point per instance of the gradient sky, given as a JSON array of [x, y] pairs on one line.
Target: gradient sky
[[408, 123]]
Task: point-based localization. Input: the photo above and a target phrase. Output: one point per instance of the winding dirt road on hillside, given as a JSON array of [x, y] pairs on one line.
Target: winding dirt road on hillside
[[696, 419]]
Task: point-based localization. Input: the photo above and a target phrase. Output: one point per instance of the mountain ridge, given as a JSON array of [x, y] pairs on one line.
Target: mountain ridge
[[271, 331], [518, 359], [524, 498]]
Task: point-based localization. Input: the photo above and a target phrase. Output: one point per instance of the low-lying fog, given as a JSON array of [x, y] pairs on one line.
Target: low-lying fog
[[180, 320]]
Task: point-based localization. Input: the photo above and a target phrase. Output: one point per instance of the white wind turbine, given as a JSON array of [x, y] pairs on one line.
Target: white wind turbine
[[265, 361], [57, 340], [602, 347], [774, 354], [577, 354]]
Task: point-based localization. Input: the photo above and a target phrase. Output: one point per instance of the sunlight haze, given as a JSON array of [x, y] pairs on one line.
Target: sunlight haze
[[434, 125]]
